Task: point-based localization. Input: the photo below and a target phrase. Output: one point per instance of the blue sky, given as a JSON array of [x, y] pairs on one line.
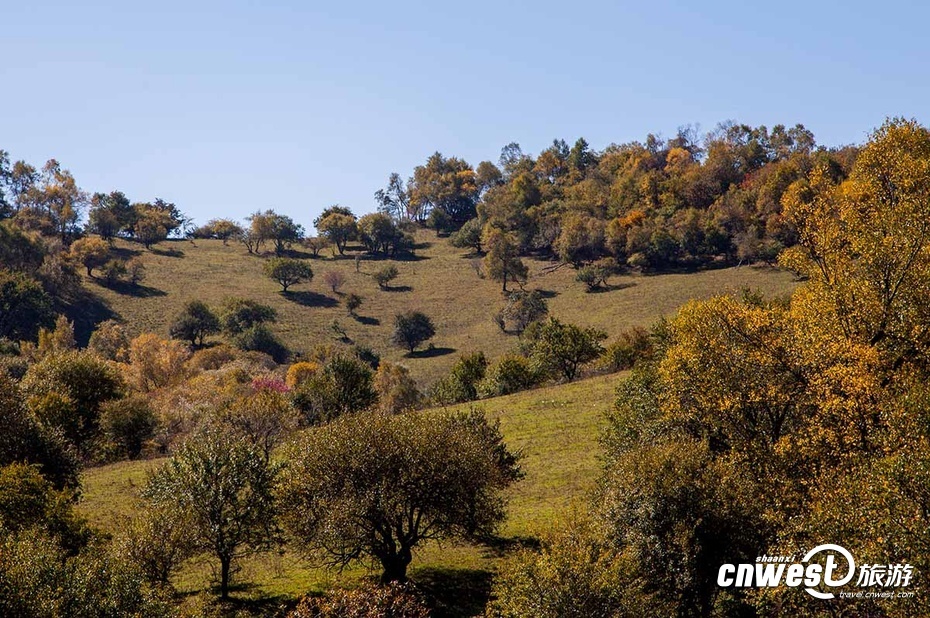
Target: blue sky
[[228, 107]]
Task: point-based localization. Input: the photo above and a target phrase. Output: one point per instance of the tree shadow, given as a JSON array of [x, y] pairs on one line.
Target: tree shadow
[[397, 288], [86, 310], [366, 320], [175, 253], [454, 593], [310, 299], [430, 352], [612, 287], [547, 293], [125, 253], [132, 289], [499, 546]]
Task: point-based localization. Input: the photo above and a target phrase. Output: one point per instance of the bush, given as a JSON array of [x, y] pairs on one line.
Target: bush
[[630, 346], [210, 359], [353, 302], [128, 424], [156, 363], [239, 314], [110, 341], [24, 307], [195, 322], [259, 338], [510, 374], [385, 275], [461, 384], [391, 601], [593, 276], [298, 373], [397, 391], [523, 308], [114, 271], [411, 329], [334, 279], [288, 272], [343, 385]]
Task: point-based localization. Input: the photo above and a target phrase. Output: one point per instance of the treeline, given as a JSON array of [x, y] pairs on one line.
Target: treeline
[[655, 205]]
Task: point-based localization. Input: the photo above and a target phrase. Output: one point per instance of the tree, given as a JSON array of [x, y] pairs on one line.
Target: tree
[[282, 231], [339, 225], [379, 486], [152, 224], [380, 234], [316, 244], [222, 229], [563, 348], [110, 341], [343, 385], [444, 184], [24, 306], [394, 200], [195, 322], [384, 275], [288, 272], [156, 363], [502, 261], [411, 329], [240, 314], [397, 391], [110, 214], [461, 384], [523, 308], [224, 486], [260, 338], [334, 279], [353, 302], [468, 236]]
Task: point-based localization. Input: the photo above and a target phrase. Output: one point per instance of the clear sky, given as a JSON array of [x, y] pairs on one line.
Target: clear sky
[[228, 107]]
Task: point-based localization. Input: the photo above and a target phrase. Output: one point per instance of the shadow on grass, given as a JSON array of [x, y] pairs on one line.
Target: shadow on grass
[[612, 287], [454, 593], [397, 288], [86, 310], [499, 546], [125, 253], [430, 352], [310, 299], [132, 289], [175, 253], [547, 293], [367, 321]]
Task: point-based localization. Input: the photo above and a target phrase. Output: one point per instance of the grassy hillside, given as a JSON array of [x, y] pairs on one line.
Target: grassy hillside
[[440, 280], [555, 429]]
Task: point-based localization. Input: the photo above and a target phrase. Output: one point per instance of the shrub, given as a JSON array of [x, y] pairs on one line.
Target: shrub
[[411, 329], [210, 359], [353, 302], [334, 279], [24, 307], [239, 314], [135, 271], [593, 276], [523, 308], [110, 341], [298, 373], [195, 322], [383, 276], [128, 424], [287, 272], [156, 363], [391, 601], [114, 271], [90, 252], [259, 338], [461, 384], [397, 391], [343, 385], [563, 348], [630, 346], [510, 374]]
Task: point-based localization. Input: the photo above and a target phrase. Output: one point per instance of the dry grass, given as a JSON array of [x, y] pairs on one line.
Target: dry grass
[[441, 282]]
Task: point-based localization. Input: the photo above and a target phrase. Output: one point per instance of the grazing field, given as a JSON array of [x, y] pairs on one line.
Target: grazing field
[[556, 430], [440, 281]]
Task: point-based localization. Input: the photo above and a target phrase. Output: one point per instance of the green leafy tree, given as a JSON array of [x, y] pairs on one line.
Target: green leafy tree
[[383, 276], [24, 306], [563, 348], [90, 252], [468, 236], [461, 384], [379, 486], [339, 225], [239, 314], [411, 329], [288, 272], [502, 261], [343, 385], [224, 486], [195, 323]]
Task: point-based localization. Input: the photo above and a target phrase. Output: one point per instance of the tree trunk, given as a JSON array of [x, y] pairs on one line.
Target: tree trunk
[[395, 567], [224, 578]]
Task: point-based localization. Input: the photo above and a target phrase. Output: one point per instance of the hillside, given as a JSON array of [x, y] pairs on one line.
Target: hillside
[[440, 281], [555, 429]]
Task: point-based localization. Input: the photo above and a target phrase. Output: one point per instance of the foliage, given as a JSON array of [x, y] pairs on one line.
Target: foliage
[[411, 329], [128, 424], [259, 338], [338, 225], [223, 485], [523, 308], [194, 323], [468, 236], [239, 314], [511, 373], [384, 275], [90, 252], [114, 271], [378, 486], [397, 391], [262, 418], [502, 261], [156, 363], [630, 346], [110, 341], [353, 302], [24, 306], [563, 348], [287, 272], [334, 279], [223, 229], [387, 601], [461, 385], [344, 384]]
